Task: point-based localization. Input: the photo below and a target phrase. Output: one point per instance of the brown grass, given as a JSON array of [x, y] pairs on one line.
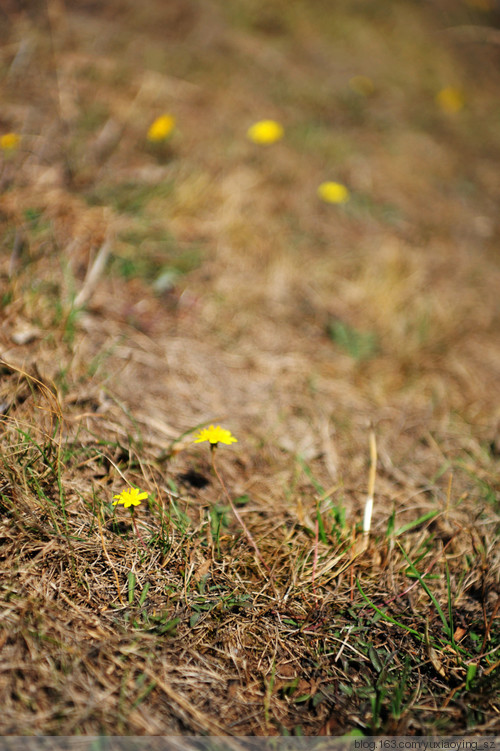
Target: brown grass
[[213, 287]]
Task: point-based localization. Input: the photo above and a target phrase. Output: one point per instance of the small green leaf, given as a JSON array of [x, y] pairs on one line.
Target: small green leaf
[[195, 617], [375, 659], [144, 594], [302, 699], [168, 627], [131, 587], [390, 523], [241, 500], [471, 674], [345, 689]]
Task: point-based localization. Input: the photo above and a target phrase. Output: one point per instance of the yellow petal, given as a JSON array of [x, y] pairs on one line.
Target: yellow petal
[[332, 192], [9, 141], [161, 128], [265, 132], [450, 100]]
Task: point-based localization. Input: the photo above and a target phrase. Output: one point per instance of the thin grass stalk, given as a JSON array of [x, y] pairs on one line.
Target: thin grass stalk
[[316, 545], [106, 554], [236, 513]]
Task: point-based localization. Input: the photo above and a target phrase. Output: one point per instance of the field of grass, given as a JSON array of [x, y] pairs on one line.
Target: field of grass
[[153, 287]]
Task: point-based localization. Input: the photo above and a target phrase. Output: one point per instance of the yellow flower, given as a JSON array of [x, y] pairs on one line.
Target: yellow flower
[[9, 141], [450, 99], [132, 497], [161, 128], [265, 132], [216, 434], [331, 192], [362, 85]]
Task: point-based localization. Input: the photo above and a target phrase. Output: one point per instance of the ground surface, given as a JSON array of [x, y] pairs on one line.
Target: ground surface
[[150, 289]]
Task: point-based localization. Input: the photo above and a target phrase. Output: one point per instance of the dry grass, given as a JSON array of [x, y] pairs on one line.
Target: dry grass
[[149, 290]]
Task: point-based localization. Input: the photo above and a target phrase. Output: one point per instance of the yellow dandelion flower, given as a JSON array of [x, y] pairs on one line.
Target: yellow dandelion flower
[[161, 128], [10, 141], [215, 434], [131, 497], [265, 132], [362, 85], [450, 100], [332, 192]]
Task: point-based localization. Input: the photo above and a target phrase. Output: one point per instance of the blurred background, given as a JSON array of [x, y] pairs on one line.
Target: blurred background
[[364, 235]]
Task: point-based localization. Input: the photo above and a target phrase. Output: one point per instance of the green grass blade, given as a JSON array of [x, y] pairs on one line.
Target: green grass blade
[[424, 586], [416, 523], [131, 587], [387, 617], [450, 604], [321, 528], [144, 594]]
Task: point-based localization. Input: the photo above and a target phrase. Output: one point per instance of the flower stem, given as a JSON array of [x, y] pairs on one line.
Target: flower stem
[[237, 514], [139, 536]]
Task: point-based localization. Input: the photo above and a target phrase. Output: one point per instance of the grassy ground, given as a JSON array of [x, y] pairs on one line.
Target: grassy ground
[[151, 289]]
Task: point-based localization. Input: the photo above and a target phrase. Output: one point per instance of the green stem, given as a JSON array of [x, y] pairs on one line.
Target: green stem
[[137, 530], [235, 511]]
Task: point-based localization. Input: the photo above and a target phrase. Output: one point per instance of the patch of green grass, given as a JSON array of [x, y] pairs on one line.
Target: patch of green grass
[[154, 256], [35, 219], [219, 521], [164, 625], [360, 345], [444, 655], [337, 513], [128, 198], [216, 602], [391, 690], [178, 518]]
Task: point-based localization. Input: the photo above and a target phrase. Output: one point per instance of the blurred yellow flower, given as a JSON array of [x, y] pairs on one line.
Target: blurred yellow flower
[[215, 434], [132, 497], [265, 132], [9, 141], [362, 85], [161, 128], [332, 192], [450, 99]]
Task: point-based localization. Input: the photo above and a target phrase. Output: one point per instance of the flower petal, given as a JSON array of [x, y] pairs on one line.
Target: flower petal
[[265, 132], [214, 435]]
